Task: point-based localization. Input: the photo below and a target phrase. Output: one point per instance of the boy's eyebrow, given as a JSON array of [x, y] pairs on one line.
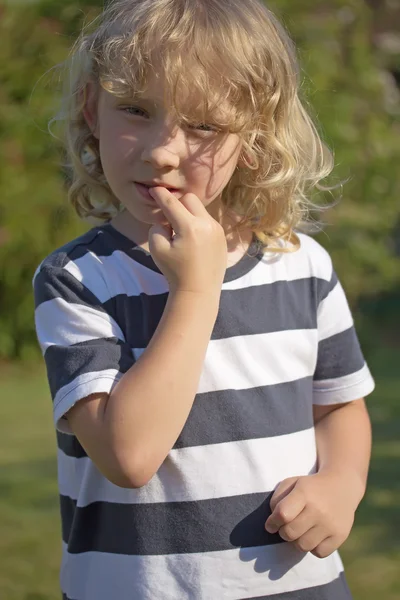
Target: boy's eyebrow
[[136, 98], [219, 112]]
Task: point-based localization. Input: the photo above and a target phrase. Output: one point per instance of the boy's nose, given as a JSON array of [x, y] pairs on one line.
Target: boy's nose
[[163, 147], [161, 157]]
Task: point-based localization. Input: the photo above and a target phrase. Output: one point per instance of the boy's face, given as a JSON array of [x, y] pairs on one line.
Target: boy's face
[[139, 142]]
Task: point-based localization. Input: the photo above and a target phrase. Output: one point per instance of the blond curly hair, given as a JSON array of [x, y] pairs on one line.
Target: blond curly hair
[[218, 50]]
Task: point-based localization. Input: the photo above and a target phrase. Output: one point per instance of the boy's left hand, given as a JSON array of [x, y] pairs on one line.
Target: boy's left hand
[[315, 512]]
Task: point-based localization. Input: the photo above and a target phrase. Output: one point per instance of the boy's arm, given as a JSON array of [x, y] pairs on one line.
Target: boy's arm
[[343, 434], [316, 512], [129, 433]]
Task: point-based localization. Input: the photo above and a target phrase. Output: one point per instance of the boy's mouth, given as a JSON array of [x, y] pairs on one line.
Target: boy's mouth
[[148, 185], [143, 189]]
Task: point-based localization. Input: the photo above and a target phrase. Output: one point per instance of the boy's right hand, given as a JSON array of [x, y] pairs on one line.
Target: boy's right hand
[[195, 258]]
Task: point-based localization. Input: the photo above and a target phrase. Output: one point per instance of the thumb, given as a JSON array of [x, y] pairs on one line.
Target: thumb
[[282, 490], [160, 237]]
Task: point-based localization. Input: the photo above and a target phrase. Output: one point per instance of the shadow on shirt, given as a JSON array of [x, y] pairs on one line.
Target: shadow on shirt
[[255, 542]]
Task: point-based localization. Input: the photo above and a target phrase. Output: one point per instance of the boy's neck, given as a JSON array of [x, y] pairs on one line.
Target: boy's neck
[[131, 228], [138, 232]]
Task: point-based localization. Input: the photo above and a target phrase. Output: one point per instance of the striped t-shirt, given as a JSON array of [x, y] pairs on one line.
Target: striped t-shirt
[[283, 340]]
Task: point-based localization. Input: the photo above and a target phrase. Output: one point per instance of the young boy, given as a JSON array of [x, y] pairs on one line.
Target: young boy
[[206, 376]]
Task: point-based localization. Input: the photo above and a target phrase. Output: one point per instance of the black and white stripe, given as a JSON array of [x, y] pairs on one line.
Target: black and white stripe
[[283, 340], [274, 568], [240, 415], [336, 590], [199, 472]]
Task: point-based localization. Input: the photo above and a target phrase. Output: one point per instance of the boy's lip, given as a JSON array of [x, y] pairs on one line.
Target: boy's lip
[[143, 189], [158, 184]]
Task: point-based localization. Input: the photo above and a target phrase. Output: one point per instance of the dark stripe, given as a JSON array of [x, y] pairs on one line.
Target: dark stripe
[[69, 445], [167, 528], [336, 590], [96, 240], [61, 256], [250, 260], [65, 363], [278, 306], [339, 355], [267, 308], [106, 240], [325, 287], [65, 597], [235, 415], [53, 283], [138, 316]]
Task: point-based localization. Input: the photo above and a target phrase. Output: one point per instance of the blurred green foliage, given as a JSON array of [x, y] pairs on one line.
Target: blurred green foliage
[[349, 91]]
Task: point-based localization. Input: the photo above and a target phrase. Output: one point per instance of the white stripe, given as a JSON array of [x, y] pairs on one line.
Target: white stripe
[[74, 270], [250, 361], [318, 259], [81, 387], [311, 260], [63, 323], [259, 275], [344, 389], [199, 472], [270, 358], [334, 314], [117, 272], [228, 575]]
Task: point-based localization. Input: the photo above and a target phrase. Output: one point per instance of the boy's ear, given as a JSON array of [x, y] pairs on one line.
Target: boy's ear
[[242, 160], [246, 159], [90, 106]]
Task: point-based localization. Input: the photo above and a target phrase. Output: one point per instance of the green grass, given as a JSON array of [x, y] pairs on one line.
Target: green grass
[[29, 515], [372, 553]]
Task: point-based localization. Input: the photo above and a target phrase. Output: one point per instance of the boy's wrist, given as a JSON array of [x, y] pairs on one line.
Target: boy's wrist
[[193, 312], [209, 299], [348, 478]]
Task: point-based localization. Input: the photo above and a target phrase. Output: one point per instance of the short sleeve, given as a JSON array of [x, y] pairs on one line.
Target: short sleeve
[[83, 347], [341, 373]]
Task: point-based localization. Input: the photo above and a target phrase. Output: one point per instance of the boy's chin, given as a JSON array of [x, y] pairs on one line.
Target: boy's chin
[[158, 218], [155, 217]]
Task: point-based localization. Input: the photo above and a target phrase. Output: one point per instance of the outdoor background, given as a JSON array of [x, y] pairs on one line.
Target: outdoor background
[[349, 52]]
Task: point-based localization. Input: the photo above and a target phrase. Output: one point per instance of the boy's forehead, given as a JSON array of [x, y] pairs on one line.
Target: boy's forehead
[[156, 89]]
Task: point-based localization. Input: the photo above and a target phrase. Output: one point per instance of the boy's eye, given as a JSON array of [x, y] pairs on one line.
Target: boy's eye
[[203, 127], [134, 110]]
